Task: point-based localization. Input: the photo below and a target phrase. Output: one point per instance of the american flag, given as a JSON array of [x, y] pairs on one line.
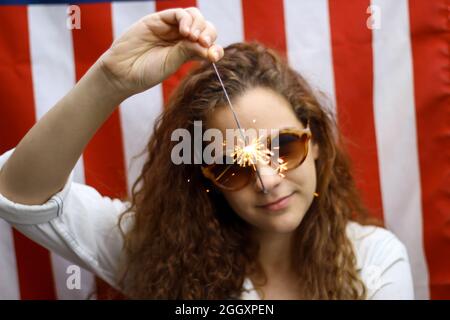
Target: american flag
[[384, 65]]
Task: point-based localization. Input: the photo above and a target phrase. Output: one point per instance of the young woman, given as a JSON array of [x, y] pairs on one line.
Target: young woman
[[204, 231]]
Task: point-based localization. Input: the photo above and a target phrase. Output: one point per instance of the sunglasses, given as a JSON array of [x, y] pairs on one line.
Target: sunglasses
[[292, 146]]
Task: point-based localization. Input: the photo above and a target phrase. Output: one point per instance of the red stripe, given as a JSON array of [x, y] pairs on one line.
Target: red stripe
[[171, 83], [103, 157], [353, 75], [17, 117], [430, 34], [264, 22]]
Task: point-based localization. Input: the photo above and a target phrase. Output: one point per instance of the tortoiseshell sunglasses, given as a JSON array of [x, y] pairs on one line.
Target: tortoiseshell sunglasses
[[292, 150]]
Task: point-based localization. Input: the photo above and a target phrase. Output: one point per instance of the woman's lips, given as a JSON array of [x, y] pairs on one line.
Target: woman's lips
[[280, 204]]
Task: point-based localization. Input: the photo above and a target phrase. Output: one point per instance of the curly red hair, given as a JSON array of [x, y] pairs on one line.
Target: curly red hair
[[185, 243]]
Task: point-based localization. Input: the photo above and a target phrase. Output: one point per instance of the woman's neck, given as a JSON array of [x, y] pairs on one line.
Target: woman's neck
[[274, 252]]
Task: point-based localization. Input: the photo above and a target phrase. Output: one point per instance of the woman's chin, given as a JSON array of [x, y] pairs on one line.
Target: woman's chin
[[285, 222]]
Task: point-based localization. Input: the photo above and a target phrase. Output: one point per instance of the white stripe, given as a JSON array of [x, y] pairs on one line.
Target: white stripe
[[226, 17], [395, 126], [139, 112], [53, 73], [309, 43], [9, 280]]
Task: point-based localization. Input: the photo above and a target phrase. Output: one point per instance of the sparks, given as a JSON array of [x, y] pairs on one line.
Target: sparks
[[282, 167], [251, 154]]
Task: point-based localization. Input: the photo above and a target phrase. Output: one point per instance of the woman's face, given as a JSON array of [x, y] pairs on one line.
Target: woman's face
[[262, 108]]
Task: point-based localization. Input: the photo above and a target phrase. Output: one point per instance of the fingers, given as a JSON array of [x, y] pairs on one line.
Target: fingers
[[194, 50], [198, 23], [208, 35], [193, 26], [185, 22], [215, 53], [204, 33], [178, 17]]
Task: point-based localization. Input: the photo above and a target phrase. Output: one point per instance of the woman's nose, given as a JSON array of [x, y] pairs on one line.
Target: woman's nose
[[270, 179]]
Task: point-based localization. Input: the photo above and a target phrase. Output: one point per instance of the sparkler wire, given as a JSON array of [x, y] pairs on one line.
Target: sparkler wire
[[238, 124]]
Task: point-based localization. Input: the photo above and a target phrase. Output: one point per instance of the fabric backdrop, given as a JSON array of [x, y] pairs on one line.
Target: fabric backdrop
[[384, 65]]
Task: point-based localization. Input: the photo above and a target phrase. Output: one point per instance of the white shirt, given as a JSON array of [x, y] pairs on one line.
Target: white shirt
[[80, 224]]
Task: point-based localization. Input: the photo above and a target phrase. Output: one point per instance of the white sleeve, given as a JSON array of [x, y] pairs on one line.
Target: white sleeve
[[78, 223], [386, 271]]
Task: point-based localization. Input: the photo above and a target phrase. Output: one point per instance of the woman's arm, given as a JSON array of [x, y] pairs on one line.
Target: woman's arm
[[44, 158], [151, 50]]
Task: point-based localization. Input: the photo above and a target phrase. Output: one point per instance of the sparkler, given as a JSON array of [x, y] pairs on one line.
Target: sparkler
[[245, 152], [249, 154]]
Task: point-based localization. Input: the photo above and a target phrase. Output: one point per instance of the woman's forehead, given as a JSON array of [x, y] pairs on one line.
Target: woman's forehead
[[257, 108]]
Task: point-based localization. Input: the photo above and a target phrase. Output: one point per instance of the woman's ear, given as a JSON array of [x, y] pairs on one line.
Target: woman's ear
[[315, 150]]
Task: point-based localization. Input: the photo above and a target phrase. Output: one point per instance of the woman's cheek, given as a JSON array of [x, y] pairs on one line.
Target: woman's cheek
[[304, 177], [237, 202], [303, 174]]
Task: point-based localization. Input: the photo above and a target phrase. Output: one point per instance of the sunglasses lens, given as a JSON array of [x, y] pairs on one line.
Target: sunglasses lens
[[230, 175], [292, 149]]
